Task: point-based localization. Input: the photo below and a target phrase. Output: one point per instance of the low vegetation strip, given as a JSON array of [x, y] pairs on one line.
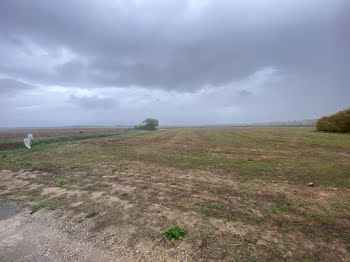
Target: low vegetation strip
[[50, 140], [8, 145]]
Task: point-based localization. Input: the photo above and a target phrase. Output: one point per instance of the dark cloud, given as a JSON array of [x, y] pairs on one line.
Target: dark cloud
[[11, 86], [72, 71], [244, 92], [93, 102]]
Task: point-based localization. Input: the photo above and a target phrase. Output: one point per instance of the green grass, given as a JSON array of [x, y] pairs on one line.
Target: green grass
[[60, 139], [93, 188], [206, 235], [35, 192], [278, 209], [217, 206], [295, 163], [58, 152], [131, 196]]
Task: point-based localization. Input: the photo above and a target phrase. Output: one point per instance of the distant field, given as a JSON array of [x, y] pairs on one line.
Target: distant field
[[48, 132], [241, 194]]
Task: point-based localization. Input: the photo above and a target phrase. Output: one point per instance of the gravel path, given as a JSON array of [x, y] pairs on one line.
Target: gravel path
[[24, 237]]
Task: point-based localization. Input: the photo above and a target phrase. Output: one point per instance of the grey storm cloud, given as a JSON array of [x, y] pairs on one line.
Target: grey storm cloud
[[169, 44], [218, 61]]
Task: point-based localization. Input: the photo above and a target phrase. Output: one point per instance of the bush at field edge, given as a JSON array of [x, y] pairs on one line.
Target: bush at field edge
[[338, 122]]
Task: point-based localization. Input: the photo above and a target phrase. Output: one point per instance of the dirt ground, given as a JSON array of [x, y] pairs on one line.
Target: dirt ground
[[240, 194]]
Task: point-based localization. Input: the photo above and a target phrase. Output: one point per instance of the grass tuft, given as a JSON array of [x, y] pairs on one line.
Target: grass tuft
[[36, 208], [62, 183], [92, 214]]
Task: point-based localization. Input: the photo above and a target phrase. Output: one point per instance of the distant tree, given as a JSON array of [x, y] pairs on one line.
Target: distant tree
[[338, 122], [148, 124]]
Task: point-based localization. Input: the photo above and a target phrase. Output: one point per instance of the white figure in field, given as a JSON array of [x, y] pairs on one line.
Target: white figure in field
[[27, 140]]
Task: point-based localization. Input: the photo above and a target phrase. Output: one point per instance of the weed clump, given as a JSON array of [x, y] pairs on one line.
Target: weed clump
[[175, 233]]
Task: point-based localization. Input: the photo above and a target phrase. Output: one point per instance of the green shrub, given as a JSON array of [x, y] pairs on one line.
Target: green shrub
[[338, 122]]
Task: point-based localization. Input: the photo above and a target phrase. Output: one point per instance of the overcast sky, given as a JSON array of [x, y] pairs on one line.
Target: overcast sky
[[114, 62]]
